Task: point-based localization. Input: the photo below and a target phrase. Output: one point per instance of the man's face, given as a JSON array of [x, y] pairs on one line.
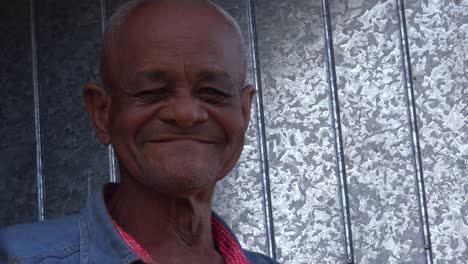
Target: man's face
[[179, 112]]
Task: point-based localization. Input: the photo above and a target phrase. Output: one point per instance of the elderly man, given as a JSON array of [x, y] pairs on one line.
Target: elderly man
[[174, 105]]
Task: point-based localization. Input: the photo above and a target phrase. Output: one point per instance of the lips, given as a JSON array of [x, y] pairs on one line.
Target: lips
[[178, 138]]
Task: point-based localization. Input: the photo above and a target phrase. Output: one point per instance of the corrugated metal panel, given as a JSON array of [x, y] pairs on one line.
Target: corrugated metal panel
[[382, 193], [438, 38], [18, 192], [68, 45], [306, 207]]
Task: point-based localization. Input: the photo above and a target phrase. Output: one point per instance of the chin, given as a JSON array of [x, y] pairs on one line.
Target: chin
[[180, 179]]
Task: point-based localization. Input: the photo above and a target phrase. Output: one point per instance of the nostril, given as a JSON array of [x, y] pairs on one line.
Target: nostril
[[183, 112]]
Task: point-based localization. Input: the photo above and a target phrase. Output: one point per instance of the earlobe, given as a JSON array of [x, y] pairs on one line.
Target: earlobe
[[247, 95], [98, 103]]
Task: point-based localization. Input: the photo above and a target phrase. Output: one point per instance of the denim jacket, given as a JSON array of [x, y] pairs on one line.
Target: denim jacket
[[86, 237]]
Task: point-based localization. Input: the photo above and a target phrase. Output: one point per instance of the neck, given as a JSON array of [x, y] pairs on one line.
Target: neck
[[165, 225]]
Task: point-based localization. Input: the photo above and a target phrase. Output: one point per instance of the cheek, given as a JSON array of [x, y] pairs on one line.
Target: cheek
[[233, 127], [128, 123], [126, 126]]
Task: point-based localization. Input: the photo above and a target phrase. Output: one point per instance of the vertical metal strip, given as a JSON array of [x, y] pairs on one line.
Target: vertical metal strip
[[414, 133], [336, 123], [37, 115], [112, 164], [260, 124], [103, 16], [110, 149]]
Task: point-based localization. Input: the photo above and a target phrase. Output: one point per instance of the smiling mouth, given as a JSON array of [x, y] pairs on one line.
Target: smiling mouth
[[171, 139]]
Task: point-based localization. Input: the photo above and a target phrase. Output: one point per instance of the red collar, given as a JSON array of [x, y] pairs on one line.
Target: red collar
[[226, 243]]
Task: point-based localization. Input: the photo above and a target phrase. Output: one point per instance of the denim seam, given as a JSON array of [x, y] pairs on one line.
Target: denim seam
[[58, 254], [83, 239]]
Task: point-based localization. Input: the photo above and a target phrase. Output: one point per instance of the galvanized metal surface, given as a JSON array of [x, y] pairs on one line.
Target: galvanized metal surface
[[337, 132], [414, 132], [305, 195], [438, 44], [384, 208], [68, 43], [18, 188], [260, 124], [37, 117]]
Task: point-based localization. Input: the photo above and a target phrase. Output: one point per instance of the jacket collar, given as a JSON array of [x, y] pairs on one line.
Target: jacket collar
[[99, 240]]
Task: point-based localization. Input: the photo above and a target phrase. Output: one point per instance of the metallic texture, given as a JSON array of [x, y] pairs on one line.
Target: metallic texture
[[261, 138], [37, 117], [112, 164], [438, 43], [103, 15], [377, 151], [336, 124], [413, 123], [299, 138], [18, 181], [68, 41]]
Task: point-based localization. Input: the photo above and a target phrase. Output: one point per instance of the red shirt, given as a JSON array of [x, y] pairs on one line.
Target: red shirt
[[227, 245]]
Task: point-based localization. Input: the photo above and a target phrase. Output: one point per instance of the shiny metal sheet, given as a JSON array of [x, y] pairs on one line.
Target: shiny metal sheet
[[438, 38], [306, 209], [378, 157]]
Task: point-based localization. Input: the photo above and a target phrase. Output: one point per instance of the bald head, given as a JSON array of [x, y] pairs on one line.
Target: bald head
[[187, 11]]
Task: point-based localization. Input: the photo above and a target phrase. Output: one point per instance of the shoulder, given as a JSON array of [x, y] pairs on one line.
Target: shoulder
[[257, 258], [32, 243]]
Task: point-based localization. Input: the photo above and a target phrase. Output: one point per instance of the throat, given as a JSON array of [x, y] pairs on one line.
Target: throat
[[189, 227], [167, 227], [186, 236]]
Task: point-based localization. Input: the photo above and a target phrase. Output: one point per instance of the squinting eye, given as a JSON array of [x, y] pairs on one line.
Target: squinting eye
[[152, 96], [211, 95]]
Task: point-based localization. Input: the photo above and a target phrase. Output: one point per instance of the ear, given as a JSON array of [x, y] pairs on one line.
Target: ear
[[247, 94], [98, 103]]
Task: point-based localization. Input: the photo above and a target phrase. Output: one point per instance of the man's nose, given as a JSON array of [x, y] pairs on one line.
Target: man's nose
[[183, 111]]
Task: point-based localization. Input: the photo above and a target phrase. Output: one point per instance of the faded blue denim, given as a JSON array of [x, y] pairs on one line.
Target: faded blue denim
[[87, 237]]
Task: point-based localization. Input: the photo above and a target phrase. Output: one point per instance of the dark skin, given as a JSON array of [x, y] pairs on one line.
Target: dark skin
[[176, 115]]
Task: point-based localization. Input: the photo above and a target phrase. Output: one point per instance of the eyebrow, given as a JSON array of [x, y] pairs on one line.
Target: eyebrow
[[215, 76], [146, 77]]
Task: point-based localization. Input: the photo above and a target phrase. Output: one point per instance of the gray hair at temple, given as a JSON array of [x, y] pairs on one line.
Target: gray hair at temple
[[120, 16]]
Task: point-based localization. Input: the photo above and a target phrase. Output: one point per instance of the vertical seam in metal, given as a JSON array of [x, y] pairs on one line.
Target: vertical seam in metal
[[103, 16], [112, 171], [37, 116], [336, 123], [261, 140], [110, 149], [414, 133]]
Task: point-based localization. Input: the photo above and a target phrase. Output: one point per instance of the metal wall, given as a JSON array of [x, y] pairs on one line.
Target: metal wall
[[358, 143]]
